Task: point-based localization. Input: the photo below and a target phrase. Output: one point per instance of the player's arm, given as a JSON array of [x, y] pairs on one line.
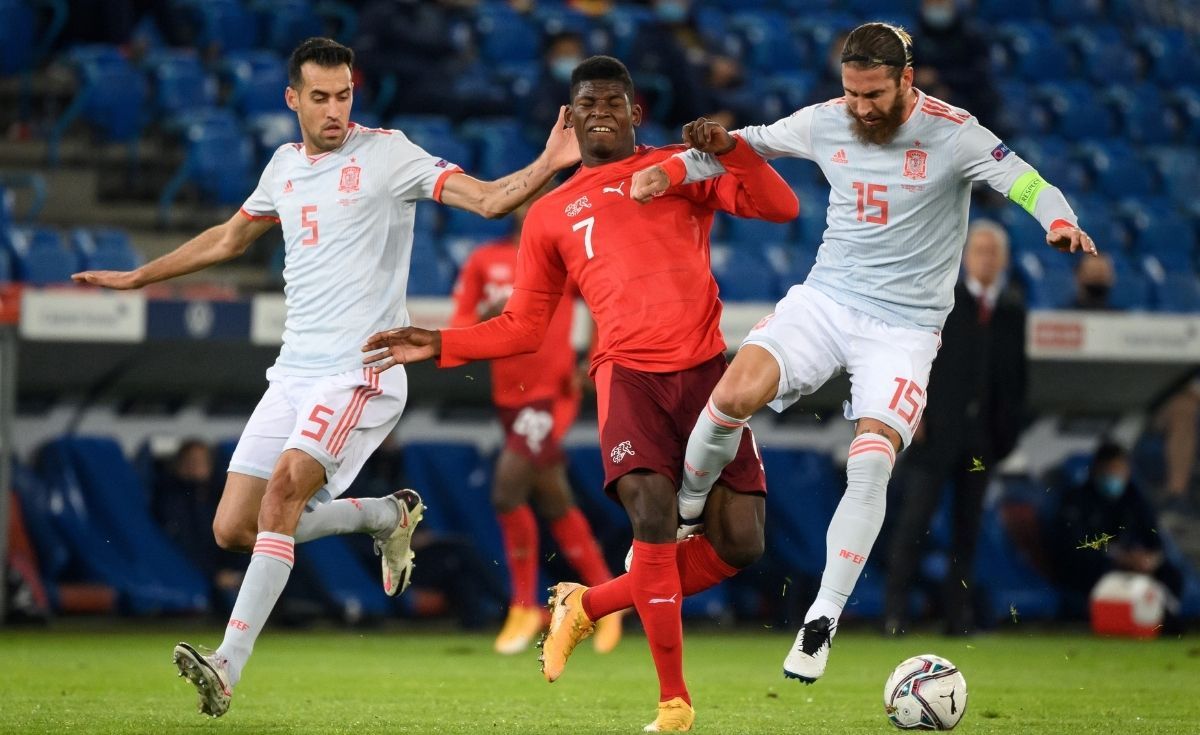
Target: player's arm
[[494, 199], [750, 187], [215, 245], [981, 156], [790, 137]]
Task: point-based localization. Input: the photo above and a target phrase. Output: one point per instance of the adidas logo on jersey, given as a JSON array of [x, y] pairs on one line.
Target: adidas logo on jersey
[[287, 188], [840, 156]]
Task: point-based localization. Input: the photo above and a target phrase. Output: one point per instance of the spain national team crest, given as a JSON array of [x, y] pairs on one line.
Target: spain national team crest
[[914, 164], [349, 183]]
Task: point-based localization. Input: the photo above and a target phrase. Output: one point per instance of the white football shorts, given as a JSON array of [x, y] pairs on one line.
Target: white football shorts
[[337, 420], [814, 338]]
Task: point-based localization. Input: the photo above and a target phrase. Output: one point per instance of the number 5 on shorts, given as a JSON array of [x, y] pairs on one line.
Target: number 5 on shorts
[[914, 399], [317, 417]]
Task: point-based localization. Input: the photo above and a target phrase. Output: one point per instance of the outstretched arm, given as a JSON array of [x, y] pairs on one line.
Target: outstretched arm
[[519, 329], [494, 199], [750, 187], [214, 245]]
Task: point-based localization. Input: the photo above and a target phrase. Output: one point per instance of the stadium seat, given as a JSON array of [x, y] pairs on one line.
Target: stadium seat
[[1078, 111], [770, 46], [350, 589], [1023, 109], [218, 162], [104, 249], [18, 30], [286, 23], [1179, 293], [270, 130], [429, 126], [750, 231], [181, 84], [1144, 113], [744, 274], [1103, 55], [40, 257], [801, 507], [1173, 57], [1012, 589], [430, 273], [505, 35], [226, 25], [556, 19], [1178, 167], [624, 22], [1118, 170], [1131, 291], [259, 80], [1049, 280], [111, 98], [1035, 52]]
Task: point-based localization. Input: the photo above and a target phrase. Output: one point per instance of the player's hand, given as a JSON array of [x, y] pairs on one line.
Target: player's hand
[[401, 346], [119, 280], [562, 147], [649, 183], [708, 136], [1071, 239]]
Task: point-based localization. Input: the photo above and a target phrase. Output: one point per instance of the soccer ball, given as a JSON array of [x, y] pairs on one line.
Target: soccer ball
[[925, 692]]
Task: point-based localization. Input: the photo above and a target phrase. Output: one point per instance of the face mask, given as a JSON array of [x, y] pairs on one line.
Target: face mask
[[671, 12], [1113, 486], [562, 67], [1097, 291], [939, 16]]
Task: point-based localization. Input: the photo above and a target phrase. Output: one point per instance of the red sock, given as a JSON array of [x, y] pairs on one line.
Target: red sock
[[574, 537], [519, 529], [699, 569], [657, 596]]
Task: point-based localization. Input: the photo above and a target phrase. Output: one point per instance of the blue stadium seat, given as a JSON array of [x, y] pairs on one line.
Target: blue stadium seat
[[1186, 103], [1023, 109], [286, 23], [561, 19], [744, 274], [505, 35], [1118, 170], [802, 504], [1036, 53], [502, 146], [750, 231], [1025, 234], [353, 591], [1144, 113], [770, 46], [1077, 110], [1132, 290], [218, 162], [181, 83], [226, 25], [1173, 57], [430, 273], [53, 552], [6, 268], [1003, 10], [1103, 55], [432, 126], [624, 22], [18, 31], [1010, 585], [1179, 293], [1074, 12], [111, 98], [104, 249], [40, 256], [1048, 278], [270, 130], [259, 80], [1178, 167], [1160, 230], [462, 478]]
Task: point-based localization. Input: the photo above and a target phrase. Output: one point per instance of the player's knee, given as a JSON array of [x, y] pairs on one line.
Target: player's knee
[[233, 535], [741, 395], [650, 502], [740, 550]]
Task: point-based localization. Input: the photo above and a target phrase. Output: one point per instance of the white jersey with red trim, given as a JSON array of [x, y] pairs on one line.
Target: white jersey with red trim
[[897, 217], [347, 218]]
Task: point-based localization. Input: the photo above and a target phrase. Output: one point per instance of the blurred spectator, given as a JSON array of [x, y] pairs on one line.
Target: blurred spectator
[[184, 505], [953, 61], [561, 55], [1108, 524], [1178, 419], [972, 420], [1094, 279], [670, 62], [734, 103]]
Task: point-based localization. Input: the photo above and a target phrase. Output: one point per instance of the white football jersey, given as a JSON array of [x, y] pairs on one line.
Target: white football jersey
[[897, 217], [347, 218]]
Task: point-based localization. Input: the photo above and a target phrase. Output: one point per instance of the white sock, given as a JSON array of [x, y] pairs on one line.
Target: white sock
[[855, 524], [713, 444], [350, 515], [270, 565]]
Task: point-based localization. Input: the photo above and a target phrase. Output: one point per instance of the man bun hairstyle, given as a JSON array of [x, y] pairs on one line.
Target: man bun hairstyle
[[601, 68], [872, 45], [324, 52]]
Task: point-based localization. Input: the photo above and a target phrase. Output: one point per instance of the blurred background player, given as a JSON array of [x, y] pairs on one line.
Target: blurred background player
[[646, 276], [345, 200], [971, 422], [536, 396], [900, 165]]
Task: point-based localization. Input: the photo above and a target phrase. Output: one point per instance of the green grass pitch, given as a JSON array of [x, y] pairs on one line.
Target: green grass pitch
[[118, 681]]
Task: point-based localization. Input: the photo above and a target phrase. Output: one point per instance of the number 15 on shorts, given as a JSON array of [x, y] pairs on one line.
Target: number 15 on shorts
[[908, 401]]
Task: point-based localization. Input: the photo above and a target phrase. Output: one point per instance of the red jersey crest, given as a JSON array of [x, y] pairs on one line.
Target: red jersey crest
[[349, 182], [914, 164]]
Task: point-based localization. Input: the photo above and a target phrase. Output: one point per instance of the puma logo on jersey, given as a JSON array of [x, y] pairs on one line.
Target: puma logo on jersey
[[621, 451], [617, 190], [840, 156], [577, 206]]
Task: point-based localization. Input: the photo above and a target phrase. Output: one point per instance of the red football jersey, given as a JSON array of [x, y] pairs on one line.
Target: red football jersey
[[643, 270], [485, 282]]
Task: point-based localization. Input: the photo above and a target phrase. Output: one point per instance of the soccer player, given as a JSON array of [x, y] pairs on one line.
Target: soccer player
[[645, 274], [900, 166], [537, 397], [345, 198]]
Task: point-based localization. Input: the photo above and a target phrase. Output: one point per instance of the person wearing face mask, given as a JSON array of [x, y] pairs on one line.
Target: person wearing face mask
[[975, 410], [953, 63], [561, 53], [670, 49], [1094, 280], [1107, 505]]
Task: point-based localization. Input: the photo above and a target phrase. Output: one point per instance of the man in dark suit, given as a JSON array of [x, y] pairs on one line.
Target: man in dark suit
[[971, 423]]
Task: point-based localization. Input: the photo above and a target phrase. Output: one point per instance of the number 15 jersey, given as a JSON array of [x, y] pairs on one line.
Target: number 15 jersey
[[347, 218]]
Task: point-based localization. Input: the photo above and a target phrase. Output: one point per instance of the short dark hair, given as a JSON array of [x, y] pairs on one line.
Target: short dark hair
[[601, 68], [873, 45], [322, 52], [1108, 451]]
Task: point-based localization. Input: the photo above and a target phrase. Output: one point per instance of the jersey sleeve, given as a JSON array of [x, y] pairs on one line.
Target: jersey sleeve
[[261, 205], [749, 188], [981, 156], [415, 174], [468, 293], [789, 137], [540, 279]]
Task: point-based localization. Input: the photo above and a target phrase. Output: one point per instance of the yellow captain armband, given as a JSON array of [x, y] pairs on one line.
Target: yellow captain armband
[[1026, 190]]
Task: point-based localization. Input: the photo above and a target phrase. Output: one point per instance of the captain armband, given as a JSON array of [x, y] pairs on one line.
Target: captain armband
[[1026, 190]]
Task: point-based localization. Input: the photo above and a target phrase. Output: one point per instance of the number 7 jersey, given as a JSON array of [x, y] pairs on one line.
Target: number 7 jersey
[[897, 217], [347, 219]]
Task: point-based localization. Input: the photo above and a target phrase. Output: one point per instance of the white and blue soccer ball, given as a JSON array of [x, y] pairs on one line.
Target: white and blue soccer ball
[[925, 692]]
